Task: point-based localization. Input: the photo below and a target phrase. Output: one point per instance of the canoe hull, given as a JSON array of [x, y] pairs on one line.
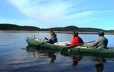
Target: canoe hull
[[107, 53], [38, 44]]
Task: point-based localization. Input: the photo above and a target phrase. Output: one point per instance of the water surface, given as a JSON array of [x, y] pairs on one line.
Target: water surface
[[15, 58]]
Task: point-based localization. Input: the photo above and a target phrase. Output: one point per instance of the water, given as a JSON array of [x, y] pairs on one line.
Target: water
[[15, 58]]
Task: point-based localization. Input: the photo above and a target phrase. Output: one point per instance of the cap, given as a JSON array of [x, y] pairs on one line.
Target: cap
[[101, 33]]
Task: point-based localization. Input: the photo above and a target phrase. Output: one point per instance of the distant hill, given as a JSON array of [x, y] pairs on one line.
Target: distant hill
[[17, 27], [68, 28], [74, 28], [32, 28]]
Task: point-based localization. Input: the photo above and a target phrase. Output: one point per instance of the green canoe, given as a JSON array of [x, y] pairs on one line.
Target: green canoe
[[107, 53]]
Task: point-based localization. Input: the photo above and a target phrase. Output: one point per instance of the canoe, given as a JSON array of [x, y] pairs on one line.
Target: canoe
[[80, 50], [40, 44]]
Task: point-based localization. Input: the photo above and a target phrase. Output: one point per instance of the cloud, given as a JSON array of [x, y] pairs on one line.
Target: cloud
[[48, 11], [37, 9], [61, 12]]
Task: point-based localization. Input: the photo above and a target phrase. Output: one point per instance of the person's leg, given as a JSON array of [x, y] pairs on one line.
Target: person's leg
[[50, 41]]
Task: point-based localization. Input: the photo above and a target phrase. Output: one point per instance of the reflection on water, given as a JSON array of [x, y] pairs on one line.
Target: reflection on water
[[98, 62], [42, 52], [76, 59], [52, 56]]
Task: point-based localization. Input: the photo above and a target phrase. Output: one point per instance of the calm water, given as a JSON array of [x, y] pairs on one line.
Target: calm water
[[15, 58]]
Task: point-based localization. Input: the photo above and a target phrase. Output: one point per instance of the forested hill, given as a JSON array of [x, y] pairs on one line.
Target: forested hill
[[32, 28], [74, 28], [17, 27]]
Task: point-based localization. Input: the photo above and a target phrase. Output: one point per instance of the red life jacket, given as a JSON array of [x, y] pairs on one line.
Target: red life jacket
[[76, 40]]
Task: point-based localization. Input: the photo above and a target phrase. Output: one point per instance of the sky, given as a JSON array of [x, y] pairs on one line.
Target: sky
[[58, 13]]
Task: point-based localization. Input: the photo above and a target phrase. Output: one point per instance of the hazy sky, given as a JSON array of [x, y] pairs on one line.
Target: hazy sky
[[58, 13]]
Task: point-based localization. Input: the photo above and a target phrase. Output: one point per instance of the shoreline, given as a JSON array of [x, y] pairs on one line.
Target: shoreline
[[65, 32]]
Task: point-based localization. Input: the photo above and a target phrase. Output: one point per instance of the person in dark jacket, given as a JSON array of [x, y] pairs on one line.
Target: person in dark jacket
[[53, 38]]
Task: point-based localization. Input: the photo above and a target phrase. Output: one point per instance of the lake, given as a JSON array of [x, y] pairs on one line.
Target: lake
[[15, 58]]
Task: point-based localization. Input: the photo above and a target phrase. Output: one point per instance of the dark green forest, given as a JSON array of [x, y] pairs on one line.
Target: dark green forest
[[33, 28], [17, 27]]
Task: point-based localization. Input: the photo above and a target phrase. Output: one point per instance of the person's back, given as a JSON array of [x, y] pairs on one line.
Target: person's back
[[80, 40], [102, 42]]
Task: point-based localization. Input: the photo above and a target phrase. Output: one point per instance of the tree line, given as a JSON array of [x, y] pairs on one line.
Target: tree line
[[32, 28]]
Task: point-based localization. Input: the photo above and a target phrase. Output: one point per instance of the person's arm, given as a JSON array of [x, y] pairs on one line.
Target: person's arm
[[46, 38], [92, 44]]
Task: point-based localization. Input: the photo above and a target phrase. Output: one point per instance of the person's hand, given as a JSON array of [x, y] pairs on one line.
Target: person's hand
[[46, 38], [67, 44]]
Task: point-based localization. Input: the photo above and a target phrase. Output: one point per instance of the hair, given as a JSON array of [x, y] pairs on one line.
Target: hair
[[53, 33], [75, 33]]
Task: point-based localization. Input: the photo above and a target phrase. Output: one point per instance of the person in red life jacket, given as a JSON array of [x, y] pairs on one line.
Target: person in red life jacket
[[76, 40]]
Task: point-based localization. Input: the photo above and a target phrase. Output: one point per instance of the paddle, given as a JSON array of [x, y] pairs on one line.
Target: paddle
[[42, 42], [91, 41], [80, 44], [44, 39]]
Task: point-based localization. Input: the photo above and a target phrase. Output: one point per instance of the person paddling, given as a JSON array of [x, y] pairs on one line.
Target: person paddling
[[100, 43], [76, 40], [53, 38]]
